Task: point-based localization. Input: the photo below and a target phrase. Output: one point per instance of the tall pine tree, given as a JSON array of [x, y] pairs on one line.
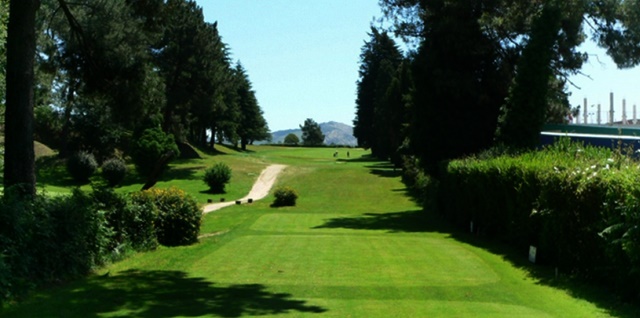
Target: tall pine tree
[[379, 61]]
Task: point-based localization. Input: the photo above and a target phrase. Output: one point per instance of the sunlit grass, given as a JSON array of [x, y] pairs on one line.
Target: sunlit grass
[[354, 246]]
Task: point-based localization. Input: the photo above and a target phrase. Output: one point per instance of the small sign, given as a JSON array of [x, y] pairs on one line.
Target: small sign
[[532, 253]]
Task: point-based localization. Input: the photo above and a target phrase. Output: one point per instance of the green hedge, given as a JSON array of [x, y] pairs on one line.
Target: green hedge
[[580, 206], [51, 239], [48, 240]]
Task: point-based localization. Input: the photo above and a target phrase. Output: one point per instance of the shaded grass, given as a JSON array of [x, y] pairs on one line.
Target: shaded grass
[[139, 293], [355, 245]]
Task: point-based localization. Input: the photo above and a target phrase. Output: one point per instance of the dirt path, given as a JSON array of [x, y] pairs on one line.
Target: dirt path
[[259, 190]]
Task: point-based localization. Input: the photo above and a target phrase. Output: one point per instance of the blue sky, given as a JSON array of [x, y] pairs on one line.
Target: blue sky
[[604, 78], [302, 57]]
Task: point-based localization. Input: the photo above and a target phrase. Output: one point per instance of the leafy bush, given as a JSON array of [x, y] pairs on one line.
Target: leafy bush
[[131, 221], [285, 196], [81, 234], [217, 177], [150, 147], [85, 231], [81, 166], [48, 239], [114, 170], [179, 217]]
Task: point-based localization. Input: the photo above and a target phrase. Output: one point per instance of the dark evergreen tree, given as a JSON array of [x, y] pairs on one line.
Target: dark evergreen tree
[[487, 40], [311, 133], [393, 118], [102, 70], [379, 60], [177, 58], [460, 84], [252, 126], [524, 112], [214, 110]]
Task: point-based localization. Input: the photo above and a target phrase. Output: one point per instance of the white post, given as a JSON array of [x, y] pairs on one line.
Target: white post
[[624, 111], [599, 119], [611, 108], [585, 112], [635, 119]]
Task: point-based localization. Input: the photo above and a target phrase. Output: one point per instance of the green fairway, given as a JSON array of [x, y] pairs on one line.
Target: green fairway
[[354, 246]]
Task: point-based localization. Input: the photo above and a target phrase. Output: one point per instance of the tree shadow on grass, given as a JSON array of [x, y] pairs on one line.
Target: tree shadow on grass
[[428, 222], [181, 173], [545, 275], [52, 171], [385, 170], [166, 294], [208, 150], [395, 222], [363, 158], [211, 192]]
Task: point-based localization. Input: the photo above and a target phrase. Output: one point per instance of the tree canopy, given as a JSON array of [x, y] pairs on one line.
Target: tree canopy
[[488, 72], [104, 71], [291, 139], [311, 133], [379, 66]]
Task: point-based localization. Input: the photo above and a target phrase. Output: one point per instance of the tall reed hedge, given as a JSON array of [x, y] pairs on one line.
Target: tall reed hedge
[[580, 206]]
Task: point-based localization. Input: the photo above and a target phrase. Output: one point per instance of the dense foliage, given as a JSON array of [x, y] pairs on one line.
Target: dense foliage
[[149, 150], [51, 239], [179, 216], [81, 166], [102, 66], [291, 139], [114, 171], [311, 133], [380, 105], [578, 205], [285, 196], [217, 176], [477, 70]]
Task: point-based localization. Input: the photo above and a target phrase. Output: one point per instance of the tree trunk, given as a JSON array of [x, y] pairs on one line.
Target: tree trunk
[[19, 157]]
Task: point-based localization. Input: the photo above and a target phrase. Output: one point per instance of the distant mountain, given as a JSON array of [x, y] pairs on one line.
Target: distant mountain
[[334, 134]]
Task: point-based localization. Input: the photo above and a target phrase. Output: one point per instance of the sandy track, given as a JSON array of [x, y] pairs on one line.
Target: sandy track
[[259, 190]]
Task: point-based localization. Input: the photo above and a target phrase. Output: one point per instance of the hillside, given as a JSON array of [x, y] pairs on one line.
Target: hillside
[[335, 134]]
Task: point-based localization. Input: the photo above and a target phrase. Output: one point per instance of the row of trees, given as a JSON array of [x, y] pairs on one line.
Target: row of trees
[[311, 135], [479, 73], [106, 70]]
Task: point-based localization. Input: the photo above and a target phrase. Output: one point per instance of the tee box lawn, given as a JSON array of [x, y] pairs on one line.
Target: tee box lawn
[[355, 245]]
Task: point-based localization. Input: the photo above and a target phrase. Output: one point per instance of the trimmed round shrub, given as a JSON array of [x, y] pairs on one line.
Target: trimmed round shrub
[[150, 147], [217, 177], [285, 196], [81, 166], [179, 217], [114, 170]]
